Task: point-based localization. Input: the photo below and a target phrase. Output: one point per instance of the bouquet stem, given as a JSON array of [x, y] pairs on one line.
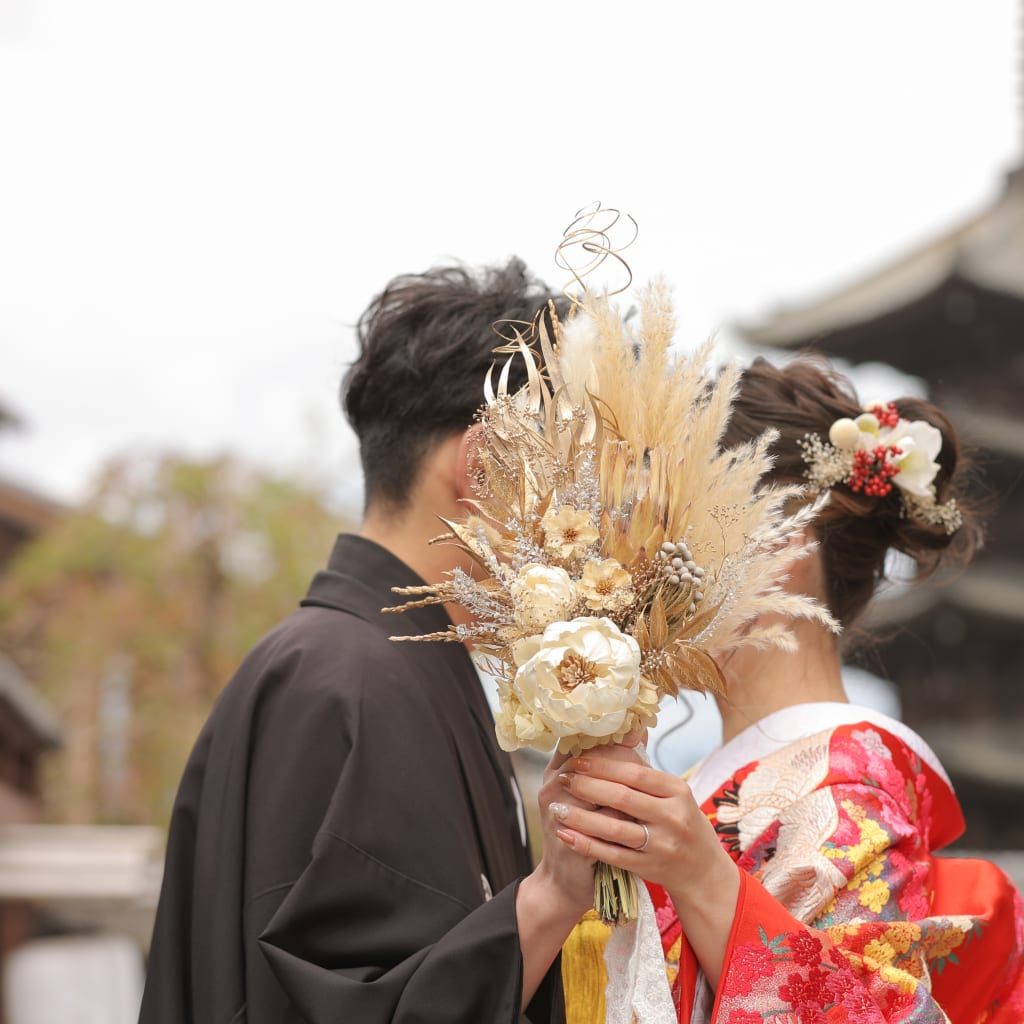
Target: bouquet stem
[[615, 894]]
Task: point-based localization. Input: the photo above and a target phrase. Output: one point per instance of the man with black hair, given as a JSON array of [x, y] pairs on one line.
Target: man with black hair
[[348, 844]]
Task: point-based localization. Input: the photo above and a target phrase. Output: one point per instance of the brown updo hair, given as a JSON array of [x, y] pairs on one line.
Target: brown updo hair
[[855, 530]]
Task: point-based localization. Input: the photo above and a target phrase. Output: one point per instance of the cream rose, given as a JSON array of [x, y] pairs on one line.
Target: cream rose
[[542, 594], [580, 677]]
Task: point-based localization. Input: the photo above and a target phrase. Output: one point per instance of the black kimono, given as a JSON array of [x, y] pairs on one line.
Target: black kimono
[[341, 825]]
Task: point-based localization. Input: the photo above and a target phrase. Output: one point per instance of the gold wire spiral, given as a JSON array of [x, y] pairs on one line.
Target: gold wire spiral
[[590, 234]]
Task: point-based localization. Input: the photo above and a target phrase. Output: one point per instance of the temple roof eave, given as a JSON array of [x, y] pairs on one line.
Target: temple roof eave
[[991, 591], [986, 251]]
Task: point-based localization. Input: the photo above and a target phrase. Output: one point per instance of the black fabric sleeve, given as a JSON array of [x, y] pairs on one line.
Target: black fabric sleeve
[[335, 956], [386, 919]]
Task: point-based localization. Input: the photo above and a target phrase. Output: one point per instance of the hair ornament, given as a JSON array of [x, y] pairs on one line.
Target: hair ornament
[[877, 451]]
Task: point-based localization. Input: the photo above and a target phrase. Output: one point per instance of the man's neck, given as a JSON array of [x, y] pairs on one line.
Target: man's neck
[[431, 562], [410, 545], [407, 532]]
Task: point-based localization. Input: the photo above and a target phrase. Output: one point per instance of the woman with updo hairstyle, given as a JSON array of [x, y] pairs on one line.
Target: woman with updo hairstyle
[[793, 871], [856, 531]]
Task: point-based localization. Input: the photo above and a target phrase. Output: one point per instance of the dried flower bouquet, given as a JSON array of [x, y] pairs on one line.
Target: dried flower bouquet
[[619, 547]]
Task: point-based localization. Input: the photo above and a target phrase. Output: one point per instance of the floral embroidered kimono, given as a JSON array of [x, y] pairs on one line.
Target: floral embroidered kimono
[[844, 913]]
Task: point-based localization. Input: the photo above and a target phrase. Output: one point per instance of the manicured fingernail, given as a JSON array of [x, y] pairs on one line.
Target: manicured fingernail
[[569, 838], [560, 811], [581, 764], [565, 778]]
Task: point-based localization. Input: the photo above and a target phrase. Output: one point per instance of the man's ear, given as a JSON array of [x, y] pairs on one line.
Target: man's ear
[[467, 469]]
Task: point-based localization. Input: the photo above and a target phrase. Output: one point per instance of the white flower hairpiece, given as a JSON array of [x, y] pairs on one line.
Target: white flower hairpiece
[[877, 451]]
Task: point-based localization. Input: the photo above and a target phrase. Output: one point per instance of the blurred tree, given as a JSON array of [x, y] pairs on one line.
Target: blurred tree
[[135, 610]]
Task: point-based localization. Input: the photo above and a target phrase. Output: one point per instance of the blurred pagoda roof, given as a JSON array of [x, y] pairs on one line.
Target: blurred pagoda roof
[[984, 254], [23, 512], [27, 705], [990, 589], [951, 312], [23, 515]]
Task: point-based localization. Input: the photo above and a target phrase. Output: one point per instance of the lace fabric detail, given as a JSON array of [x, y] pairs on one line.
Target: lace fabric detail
[[638, 989]]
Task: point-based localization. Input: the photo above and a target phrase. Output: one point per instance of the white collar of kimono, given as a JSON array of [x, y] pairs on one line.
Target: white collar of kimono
[[777, 730]]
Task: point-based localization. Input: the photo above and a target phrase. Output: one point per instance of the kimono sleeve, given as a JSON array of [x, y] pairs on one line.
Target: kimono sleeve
[[333, 972], [873, 946], [367, 859]]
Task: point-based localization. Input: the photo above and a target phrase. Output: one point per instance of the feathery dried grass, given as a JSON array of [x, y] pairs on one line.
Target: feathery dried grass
[[615, 423]]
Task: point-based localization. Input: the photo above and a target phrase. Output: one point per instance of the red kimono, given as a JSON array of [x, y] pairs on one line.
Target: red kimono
[[844, 912]]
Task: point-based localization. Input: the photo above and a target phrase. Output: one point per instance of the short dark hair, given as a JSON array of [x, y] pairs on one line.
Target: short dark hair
[[425, 345]]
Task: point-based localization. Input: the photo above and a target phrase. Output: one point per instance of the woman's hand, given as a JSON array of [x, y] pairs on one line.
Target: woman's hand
[[656, 811], [634, 817], [573, 869]]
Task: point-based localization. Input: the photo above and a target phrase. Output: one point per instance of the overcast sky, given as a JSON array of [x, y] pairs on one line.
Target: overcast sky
[[198, 198]]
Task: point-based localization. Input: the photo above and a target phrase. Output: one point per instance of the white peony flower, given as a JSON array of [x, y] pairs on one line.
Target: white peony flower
[[580, 677], [920, 443], [568, 533], [542, 594]]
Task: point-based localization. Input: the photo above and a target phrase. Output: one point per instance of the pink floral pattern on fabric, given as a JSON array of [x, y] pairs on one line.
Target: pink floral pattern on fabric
[[807, 977], [843, 922], [670, 929]]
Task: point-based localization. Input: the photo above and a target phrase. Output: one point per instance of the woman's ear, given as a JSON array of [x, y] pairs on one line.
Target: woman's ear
[[467, 470]]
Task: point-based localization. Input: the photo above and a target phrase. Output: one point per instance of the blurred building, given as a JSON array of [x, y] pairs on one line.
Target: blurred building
[[952, 314], [28, 727], [23, 514], [76, 903]]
